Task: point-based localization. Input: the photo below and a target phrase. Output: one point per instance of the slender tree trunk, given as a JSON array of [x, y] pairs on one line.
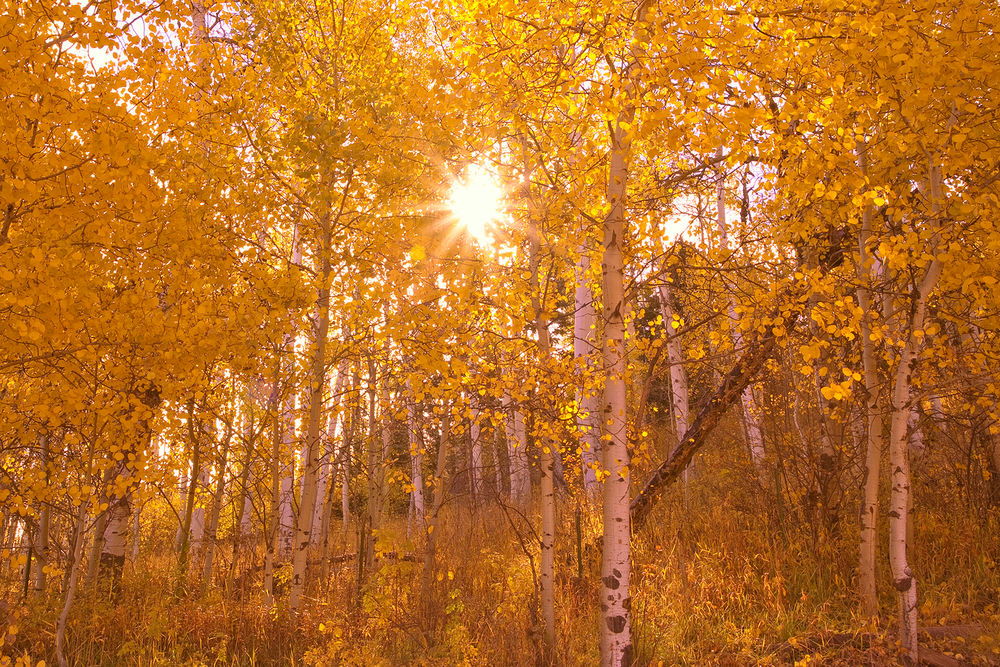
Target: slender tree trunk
[[873, 458], [616, 629], [416, 454], [900, 505], [475, 434], [73, 567], [274, 511], [349, 442], [440, 491], [517, 453], [376, 450], [336, 457], [327, 463], [678, 377], [317, 379], [42, 537], [584, 353], [212, 526], [751, 420], [189, 505], [76, 553], [873, 417], [286, 511], [546, 455]]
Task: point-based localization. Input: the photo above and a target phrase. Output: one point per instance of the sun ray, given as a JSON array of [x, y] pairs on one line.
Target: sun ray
[[477, 201]]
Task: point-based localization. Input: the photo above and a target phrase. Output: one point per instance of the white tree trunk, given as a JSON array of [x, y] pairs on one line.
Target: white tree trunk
[[286, 517], [345, 463], [115, 542], [246, 518], [416, 455], [42, 537], [678, 377], [584, 352], [517, 453], [71, 586], [212, 525], [873, 416], [547, 455], [317, 378], [326, 463], [751, 419], [900, 504], [198, 514], [616, 628], [475, 434]]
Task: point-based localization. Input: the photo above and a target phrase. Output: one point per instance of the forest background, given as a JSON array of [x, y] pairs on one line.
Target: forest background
[[492, 332]]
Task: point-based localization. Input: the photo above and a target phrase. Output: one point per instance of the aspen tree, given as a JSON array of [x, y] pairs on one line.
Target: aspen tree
[[317, 383], [751, 420], [873, 417], [584, 351], [415, 442]]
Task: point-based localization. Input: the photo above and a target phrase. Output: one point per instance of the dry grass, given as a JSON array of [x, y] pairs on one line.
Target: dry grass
[[722, 582]]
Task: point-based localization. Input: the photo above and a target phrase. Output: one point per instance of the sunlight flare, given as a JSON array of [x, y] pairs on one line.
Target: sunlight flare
[[476, 201]]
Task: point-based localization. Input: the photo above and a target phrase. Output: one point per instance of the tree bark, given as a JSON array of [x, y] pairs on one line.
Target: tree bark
[[755, 354], [415, 435], [274, 511], [42, 537], [476, 450], [616, 627], [751, 421], [76, 552], [584, 353], [517, 453], [900, 505], [192, 488], [873, 455], [212, 525], [317, 379], [546, 455]]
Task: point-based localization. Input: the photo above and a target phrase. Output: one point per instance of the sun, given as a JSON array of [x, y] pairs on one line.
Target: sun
[[476, 201]]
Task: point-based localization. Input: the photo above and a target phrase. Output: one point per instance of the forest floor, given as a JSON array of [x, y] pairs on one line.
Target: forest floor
[[712, 587]]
